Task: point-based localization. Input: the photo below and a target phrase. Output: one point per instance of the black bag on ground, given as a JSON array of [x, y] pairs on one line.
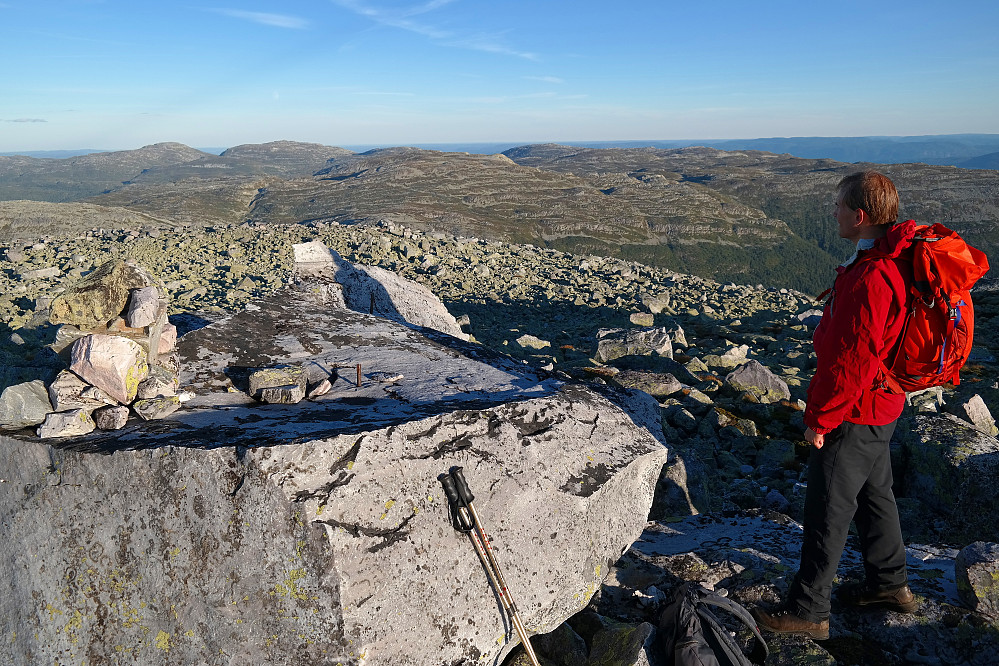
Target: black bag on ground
[[692, 635]]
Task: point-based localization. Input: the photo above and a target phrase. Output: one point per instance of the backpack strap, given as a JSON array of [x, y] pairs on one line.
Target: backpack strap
[[759, 652]]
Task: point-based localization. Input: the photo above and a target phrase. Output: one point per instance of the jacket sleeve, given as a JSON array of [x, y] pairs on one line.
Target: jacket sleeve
[[850, 347]]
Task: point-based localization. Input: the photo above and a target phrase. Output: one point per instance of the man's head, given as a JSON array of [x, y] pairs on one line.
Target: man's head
[[871, 192]]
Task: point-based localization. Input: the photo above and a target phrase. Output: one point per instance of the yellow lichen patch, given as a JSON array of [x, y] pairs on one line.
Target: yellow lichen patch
[[175, 552], [388, 506], [75, 624], [52, 611], [162, 641]]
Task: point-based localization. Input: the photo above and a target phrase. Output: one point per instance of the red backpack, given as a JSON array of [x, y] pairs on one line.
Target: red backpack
[[936, 339]]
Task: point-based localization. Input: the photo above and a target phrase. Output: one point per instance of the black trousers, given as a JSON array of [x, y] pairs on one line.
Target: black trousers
[[849, 478]]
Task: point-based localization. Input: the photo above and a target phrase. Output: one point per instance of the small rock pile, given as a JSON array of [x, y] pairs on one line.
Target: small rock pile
[[117, 346]]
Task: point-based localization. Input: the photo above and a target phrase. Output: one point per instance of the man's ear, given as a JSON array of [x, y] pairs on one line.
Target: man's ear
[[861, 218]]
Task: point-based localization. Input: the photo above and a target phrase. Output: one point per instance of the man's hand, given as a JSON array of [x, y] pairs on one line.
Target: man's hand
[[814, 438]]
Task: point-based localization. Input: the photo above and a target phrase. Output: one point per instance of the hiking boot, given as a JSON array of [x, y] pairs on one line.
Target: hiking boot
[[787, 622], [900, 600]]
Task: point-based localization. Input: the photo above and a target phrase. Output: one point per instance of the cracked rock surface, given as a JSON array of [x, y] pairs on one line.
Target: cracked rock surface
[[319, 533]]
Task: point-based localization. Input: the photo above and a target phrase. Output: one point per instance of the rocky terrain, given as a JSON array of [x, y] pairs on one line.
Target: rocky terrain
[[749, 217], [726, 363], [734, 443]]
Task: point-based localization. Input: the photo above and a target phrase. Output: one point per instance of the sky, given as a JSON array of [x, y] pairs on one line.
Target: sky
[[116, 75]]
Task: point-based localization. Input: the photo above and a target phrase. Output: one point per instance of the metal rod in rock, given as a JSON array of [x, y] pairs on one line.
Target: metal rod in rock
[[358, 375]]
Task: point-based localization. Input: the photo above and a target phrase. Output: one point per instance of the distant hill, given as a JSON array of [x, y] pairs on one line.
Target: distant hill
[[75, 178], [990, 161], [940, 149], [745, 216], [943, 149]]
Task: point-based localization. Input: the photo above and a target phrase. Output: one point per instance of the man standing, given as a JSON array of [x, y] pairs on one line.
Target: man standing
[[850, 416]]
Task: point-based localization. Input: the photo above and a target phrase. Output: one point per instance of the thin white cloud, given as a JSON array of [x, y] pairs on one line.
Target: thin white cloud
[[402, 19], [24, 120], [545, 79], [384, 94], [264, 18]]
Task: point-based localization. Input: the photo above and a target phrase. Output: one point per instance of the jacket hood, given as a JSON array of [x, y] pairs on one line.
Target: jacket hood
[[898, 238]]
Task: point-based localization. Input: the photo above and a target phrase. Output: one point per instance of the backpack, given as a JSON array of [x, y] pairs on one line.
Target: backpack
[[692, 636], [936, 338]]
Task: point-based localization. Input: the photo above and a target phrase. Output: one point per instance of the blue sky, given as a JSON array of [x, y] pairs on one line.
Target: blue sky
[[118, 75]]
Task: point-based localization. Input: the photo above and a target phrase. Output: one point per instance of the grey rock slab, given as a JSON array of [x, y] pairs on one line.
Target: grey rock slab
[[71, 423], [154, 409], [112, 363], [977, 413], [753, 377], [111, 418], [160, 383], [173, 556], [68, 391], [563, 478], [442, 374], [281, 375], [539, 488], [143, 306], [378, 291], [977, 572], [613, 344], [951, 468], [23, 405], [288, 394], [100, 296]]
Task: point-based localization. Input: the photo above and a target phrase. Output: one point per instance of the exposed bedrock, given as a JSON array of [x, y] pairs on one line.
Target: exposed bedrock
[[319, 533]]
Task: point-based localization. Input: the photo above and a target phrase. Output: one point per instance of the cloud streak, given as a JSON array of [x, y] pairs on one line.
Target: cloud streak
[[402, 19], [545, 79], [24, 120], [264, 18]]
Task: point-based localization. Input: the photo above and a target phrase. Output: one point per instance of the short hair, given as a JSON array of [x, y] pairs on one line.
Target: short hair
[[872, 192]]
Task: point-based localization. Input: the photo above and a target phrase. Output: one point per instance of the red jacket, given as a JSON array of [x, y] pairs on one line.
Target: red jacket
[[860, 324]]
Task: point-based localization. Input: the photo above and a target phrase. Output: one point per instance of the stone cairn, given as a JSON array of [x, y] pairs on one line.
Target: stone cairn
[[113, 334]]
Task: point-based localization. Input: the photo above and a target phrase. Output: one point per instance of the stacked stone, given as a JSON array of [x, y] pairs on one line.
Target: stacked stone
[[114, 335]]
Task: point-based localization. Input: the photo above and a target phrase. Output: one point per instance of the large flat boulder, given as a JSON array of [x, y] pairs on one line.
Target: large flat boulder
[[319, 532]]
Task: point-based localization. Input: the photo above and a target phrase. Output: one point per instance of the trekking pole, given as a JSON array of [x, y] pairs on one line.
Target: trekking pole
[[460, 496]]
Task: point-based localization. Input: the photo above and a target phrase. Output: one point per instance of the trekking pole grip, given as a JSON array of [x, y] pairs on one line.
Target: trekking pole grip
[[463, 490], [460, 518]]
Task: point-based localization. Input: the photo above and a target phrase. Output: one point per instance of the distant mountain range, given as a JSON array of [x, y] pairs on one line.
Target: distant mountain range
[[968, 151], [745, 215]]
